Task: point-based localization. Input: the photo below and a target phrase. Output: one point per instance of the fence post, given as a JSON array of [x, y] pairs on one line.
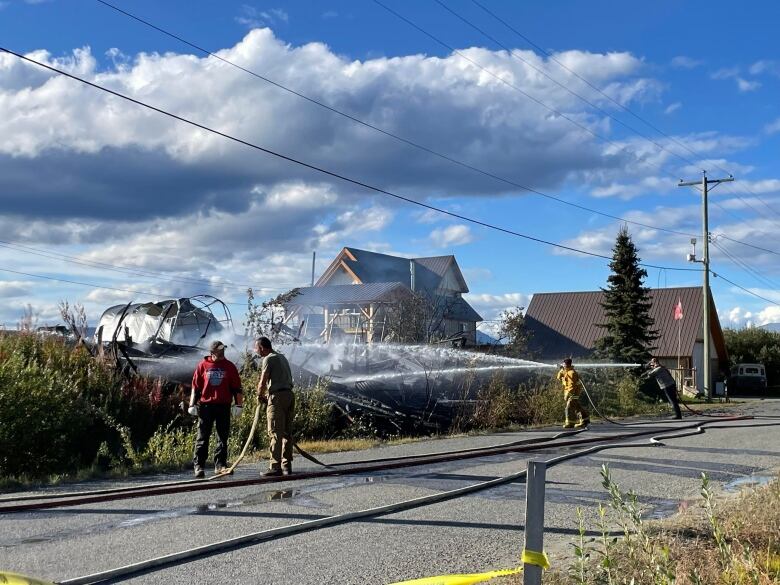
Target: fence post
[[534, 518]]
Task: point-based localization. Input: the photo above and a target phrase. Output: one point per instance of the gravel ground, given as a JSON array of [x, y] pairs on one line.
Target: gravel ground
[[478, 532]]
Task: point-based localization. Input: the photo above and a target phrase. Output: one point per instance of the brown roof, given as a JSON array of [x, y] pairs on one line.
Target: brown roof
[[564, 324]]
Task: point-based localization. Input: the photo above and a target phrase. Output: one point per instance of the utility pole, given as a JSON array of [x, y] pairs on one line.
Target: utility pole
[[705, 183]]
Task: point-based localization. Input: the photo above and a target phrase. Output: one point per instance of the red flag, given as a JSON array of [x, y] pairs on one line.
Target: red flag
[[678, 314]]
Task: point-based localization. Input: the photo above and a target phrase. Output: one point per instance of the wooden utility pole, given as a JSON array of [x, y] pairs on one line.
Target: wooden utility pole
[[705, 183]]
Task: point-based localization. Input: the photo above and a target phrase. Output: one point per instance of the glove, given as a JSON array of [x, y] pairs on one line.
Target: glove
[[237, 410], [193, 410]]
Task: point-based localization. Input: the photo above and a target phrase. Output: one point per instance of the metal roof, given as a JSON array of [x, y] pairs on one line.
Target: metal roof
[[374, 267], [348, 294], [563, 324]]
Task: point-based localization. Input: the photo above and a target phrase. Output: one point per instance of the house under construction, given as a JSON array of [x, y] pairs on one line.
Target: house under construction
[[368, 296]]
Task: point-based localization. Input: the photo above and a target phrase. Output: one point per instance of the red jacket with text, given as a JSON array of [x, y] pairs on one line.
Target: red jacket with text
[[216, 381]]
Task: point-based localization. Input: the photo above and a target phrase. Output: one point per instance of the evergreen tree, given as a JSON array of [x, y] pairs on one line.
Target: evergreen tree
[[629, 332]]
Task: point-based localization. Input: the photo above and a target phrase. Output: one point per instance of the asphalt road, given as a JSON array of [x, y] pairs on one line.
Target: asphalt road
[[479, 532]]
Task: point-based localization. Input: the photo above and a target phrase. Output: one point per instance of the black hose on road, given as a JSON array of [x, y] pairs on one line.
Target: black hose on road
[[266, 535]]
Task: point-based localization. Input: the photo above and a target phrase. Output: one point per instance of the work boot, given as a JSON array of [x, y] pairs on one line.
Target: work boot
[[568, 425], [272, 473], [287, 469], [199, 473], [583, 423], [220, 468]]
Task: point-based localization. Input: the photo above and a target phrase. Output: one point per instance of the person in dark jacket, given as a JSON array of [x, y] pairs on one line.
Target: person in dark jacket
[[215, 385], [666, 383]]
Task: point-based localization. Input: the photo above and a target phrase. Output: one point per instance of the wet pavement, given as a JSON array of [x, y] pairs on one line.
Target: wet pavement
[[478, 532]]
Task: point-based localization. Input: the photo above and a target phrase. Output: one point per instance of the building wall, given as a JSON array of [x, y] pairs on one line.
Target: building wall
[[341, 276], [449, 282]]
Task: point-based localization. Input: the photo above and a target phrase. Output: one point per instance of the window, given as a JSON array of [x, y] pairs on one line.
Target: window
[[464, 327]]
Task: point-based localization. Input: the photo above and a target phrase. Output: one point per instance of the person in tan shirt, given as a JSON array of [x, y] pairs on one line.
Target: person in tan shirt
[[276, 390]]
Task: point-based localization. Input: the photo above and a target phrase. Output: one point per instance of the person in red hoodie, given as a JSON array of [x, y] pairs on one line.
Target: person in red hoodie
[[215, 384]]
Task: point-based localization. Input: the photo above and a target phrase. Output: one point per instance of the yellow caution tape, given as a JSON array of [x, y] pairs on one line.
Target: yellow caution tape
[[531, 557], [466, 579], [15, 579]]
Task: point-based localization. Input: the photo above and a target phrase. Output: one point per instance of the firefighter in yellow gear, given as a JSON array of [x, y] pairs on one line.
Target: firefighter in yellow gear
[[576, 415]]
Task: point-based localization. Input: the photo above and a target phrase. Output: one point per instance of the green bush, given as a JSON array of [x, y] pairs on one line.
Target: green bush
[[170, 448], [498, 404], [313, 413], [47, 422]]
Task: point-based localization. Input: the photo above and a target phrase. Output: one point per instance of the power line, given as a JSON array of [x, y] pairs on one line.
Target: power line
[[725, 237], [317, 168], [745, 266], [89, 284], [750, 292], [584, 80], [510, 84], [124, 269], [550, 108], [397, 137], [750, 205], [559, 84]]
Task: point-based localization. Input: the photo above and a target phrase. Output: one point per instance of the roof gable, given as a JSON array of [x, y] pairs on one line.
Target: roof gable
[[371, 267]]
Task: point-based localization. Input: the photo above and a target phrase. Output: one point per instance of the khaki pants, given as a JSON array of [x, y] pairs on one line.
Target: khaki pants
[[574, 408], [280, 414]]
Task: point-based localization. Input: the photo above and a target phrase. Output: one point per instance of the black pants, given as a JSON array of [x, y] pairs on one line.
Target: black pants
[[671, 396], [208, 414]]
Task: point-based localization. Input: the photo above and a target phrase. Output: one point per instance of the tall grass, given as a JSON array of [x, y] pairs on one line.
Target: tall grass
[[723, 543], [64, 413]]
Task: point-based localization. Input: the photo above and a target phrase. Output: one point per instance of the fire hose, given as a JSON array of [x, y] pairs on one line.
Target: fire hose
[[189, 486], [427, 456], [266, 535], [614, 422]]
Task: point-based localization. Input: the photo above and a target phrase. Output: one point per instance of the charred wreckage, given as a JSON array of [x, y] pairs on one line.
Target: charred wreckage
[[391, 387]]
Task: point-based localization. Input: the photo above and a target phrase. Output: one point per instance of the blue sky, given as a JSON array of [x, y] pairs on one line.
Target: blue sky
[[107, 184]]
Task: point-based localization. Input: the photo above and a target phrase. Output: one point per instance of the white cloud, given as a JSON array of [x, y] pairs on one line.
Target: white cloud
[[770, 314], [629, 191], [477, 118], [725, 73], [428, 216], [744, 85], [475, 276], [491, 306], [683, 62], [454, 235], [773, 127], [498, 302], [253, 17], [672, 107], [764, 66], [15, 288]]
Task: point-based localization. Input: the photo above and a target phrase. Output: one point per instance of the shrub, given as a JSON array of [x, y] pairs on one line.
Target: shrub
[[47, 423], [497, 404], [170, 448], [543, 402]]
